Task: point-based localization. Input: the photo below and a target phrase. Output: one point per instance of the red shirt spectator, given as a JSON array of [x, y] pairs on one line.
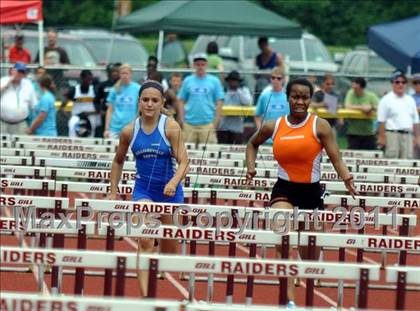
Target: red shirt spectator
[[18, 53]]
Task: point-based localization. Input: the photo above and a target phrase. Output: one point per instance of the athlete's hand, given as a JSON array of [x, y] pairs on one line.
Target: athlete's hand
[[351, 187], [170, 189], [250, 174], [106, 134]]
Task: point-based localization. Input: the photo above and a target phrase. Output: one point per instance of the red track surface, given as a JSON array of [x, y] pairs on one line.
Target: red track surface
[[173, 288]]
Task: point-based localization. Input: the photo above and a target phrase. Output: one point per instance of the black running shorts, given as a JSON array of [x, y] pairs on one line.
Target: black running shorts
[[301, 195]]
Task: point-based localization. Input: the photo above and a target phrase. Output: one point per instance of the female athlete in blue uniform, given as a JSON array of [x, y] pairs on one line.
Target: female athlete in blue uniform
[[158, 145]]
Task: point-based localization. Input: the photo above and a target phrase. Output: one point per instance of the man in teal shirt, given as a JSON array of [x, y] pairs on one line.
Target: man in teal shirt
[[200, 104], [361, 132]]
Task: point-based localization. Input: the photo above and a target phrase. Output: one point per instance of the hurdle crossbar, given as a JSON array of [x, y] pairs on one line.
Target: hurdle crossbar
[[27, 301], [373, 242], [193, 264], [56, 140], [214, 210]]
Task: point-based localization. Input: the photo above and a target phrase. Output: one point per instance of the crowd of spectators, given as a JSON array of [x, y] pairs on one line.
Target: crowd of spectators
[[196, 100]]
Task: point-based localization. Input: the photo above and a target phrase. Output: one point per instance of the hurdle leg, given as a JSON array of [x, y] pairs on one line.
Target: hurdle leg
[[110, 233], [285, 244], [58, 242], [250, 278], [404, 229], [232, 253], [41, 268], [210, 282], [310, 282], [80, 272], [193, 252], [363, 289], [401, 284], [120, 279]]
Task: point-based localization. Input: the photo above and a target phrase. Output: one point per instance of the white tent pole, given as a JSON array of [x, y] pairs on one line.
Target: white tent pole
[[41, 42], [160, 47]]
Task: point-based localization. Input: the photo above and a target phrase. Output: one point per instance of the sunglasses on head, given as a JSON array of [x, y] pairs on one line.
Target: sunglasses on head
[[400, 82], [276, 78]]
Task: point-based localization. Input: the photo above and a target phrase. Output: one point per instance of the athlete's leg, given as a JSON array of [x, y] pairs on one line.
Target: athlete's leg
[[168, 246], [144, 246], [284, 204]]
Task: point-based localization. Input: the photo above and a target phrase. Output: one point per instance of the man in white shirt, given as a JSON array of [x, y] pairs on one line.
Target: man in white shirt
[[398, 120], [17, 99]]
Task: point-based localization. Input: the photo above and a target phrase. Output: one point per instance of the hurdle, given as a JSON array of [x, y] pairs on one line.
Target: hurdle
[[360, 242], [65, 147], [264, 183], [194, 264], [56, 140], [19, 301], [402, 276], [238, 307], [130, 165]]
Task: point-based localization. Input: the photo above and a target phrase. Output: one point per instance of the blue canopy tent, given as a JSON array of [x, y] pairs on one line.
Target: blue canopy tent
[[398, 43]]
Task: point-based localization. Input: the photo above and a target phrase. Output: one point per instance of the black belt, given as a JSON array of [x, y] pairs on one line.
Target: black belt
[[399, 131], [12, 123]]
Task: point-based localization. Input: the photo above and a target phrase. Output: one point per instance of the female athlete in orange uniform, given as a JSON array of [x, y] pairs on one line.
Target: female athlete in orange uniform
[[298, 140]]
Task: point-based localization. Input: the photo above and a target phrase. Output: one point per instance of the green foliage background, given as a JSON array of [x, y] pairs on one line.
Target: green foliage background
[[336, 22]]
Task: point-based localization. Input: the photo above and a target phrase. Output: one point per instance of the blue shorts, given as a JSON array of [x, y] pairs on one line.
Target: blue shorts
[[141, 193]]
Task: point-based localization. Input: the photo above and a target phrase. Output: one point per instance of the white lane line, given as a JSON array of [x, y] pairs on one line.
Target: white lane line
[[365, 257], [170, 278], [316, 292], [34, 269], [321, 295]]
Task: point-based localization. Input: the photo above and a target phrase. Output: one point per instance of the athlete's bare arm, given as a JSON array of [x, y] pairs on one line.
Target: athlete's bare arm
[[174, 135], [119, 158], [327, 139], [260, 136]]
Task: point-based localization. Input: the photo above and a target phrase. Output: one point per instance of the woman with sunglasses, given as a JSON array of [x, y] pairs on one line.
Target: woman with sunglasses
[[272, 103], [298, 141]]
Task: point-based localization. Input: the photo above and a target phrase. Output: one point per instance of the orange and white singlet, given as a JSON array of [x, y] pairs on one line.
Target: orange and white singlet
[[297, 149]]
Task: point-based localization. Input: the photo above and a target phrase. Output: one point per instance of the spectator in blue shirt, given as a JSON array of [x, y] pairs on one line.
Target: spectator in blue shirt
[[44, 122], [122, 103], [200, 104], [272, 103]]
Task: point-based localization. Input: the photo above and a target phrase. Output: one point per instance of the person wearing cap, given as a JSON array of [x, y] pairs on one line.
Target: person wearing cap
[[17, 99], [398, 120], [83, 97], [18, 53], [231, 128], [200, 103], [361, 132]]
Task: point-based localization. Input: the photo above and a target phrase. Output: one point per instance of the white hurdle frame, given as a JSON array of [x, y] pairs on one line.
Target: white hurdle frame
[[87, 303], [195, 264]]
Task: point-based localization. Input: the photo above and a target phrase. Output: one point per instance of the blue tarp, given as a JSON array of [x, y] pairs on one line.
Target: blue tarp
[[398, 43]]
